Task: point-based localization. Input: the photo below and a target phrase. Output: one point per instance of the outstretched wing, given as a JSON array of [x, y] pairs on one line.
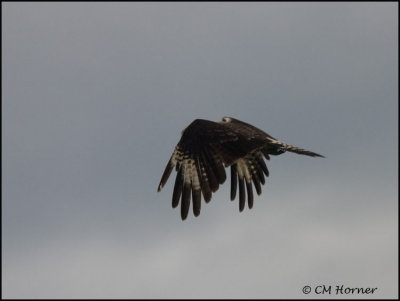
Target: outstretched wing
[[200, 158]]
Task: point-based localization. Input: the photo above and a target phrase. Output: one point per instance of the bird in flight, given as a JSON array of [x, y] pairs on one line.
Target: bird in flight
[[206, 148]]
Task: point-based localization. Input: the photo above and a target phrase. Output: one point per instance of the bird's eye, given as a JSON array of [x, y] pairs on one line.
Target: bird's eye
[[226, 119]]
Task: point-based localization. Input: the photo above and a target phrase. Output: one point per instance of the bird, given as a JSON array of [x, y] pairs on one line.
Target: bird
[[207, 147]]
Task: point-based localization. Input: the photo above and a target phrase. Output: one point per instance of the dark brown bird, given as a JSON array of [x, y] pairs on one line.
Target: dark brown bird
[[207, 147]]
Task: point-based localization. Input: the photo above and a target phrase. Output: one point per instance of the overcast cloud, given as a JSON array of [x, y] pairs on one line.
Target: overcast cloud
[[95, 96]]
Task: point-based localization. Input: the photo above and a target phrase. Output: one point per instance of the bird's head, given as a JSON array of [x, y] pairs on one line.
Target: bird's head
[[226, 119]]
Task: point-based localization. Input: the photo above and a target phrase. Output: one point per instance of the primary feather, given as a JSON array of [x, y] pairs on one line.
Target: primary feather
[[206, 148]]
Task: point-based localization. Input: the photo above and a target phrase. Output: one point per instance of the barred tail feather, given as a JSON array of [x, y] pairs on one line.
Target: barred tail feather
[[294, 149]]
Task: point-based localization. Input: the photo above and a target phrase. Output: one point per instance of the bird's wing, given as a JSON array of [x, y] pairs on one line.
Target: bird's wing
[[246, 171], [251, 168], [200, 158]]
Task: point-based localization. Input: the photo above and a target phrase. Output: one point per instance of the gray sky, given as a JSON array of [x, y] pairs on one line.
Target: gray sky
[[95, 96]]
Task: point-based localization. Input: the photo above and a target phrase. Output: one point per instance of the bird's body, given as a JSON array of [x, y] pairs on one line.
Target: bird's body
[[206, 148]]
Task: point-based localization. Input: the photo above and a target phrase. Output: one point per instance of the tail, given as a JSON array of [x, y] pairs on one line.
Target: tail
[[282, 147]]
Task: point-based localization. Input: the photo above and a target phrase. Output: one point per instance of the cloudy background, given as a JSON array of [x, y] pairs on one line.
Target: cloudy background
[[95, 96]]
